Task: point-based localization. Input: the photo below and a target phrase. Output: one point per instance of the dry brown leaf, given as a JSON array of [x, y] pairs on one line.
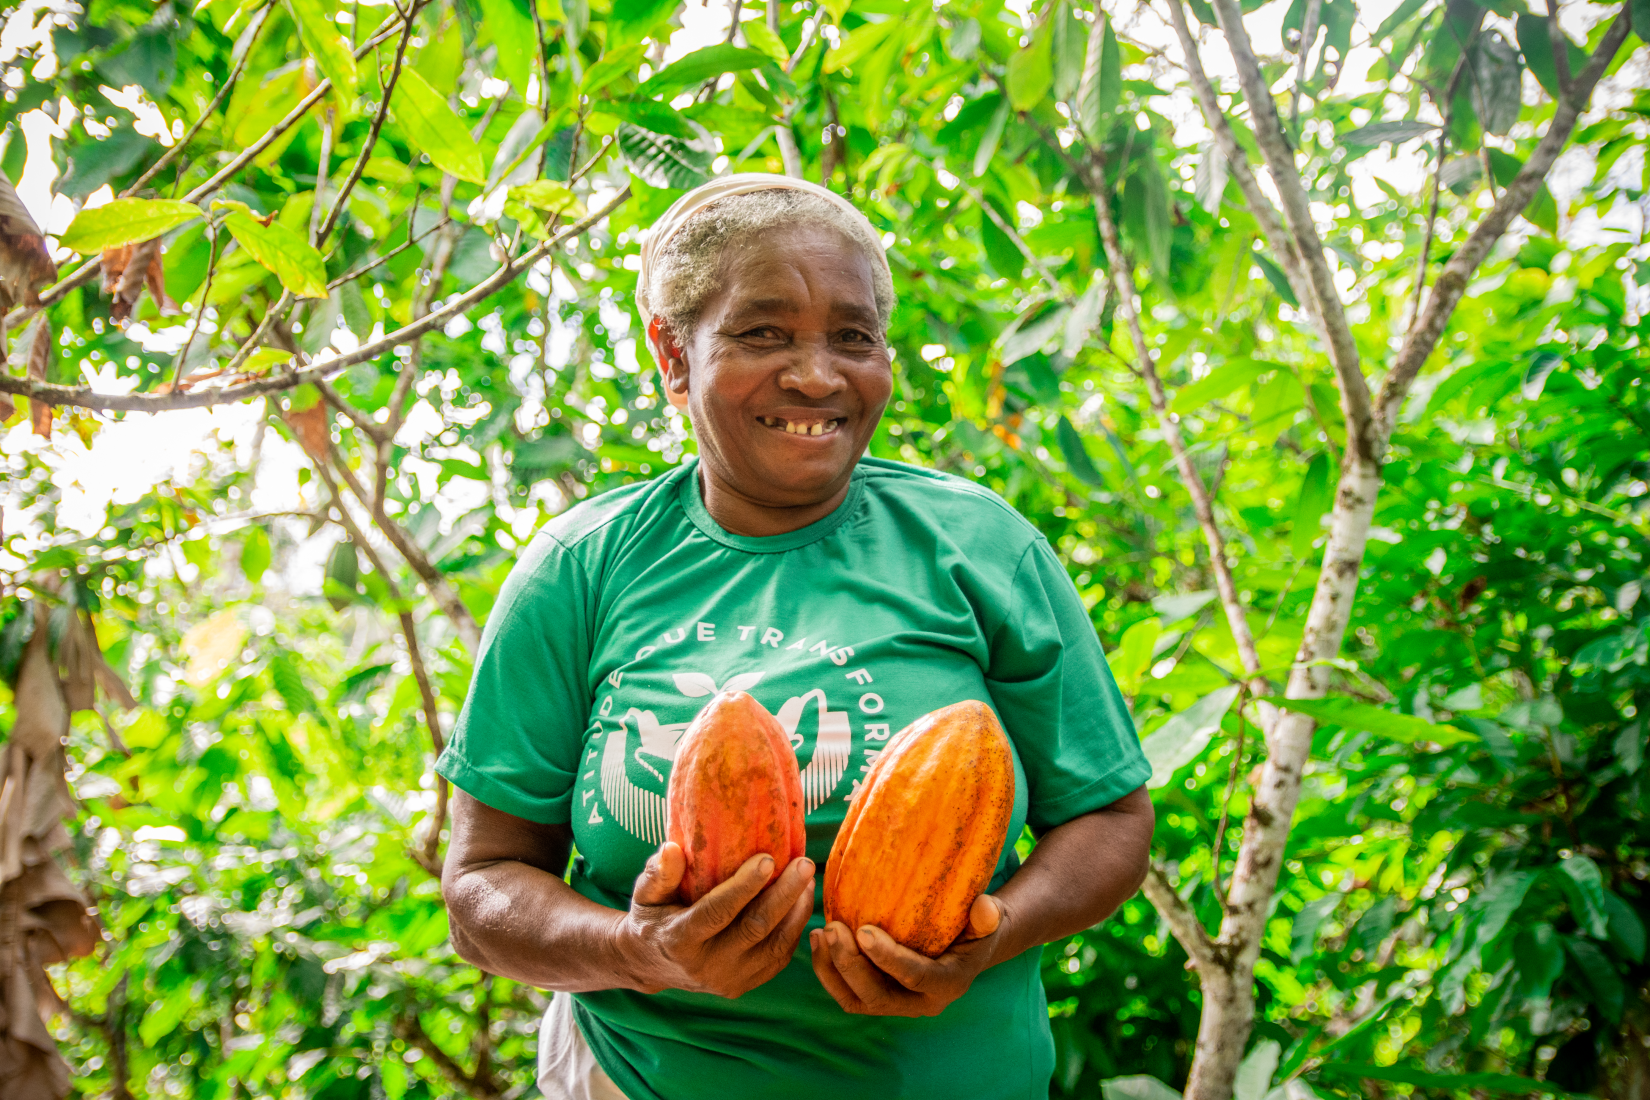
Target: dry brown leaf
[[40, 357], [114, 687], [42, 717], [78, 655], [313, 427], [8, 407], [133, 277], [25, 263]]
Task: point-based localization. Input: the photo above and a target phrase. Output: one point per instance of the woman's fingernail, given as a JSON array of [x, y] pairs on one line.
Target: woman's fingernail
[[806, 866], [766, 866], [865, 939], [830, 936]]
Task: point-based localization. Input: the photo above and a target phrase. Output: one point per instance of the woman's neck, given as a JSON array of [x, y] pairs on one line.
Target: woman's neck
[[739, 514]]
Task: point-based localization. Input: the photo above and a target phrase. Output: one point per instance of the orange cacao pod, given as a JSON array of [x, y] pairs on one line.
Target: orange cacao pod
[[735, 792], [926, 829]]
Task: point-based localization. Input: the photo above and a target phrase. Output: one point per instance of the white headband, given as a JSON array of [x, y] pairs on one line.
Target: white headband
[[742, 183]]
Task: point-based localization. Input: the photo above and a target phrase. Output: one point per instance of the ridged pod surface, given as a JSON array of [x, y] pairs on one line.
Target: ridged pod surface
[[926, 830], [735, 792]]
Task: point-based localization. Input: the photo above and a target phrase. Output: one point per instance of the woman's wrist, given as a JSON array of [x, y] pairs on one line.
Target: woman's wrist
[[630, 959]]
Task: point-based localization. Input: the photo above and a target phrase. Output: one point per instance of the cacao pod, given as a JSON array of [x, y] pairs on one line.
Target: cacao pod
[[735, 792], [926, 829]]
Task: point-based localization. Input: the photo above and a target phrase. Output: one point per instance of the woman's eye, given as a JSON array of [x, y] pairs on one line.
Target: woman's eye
[[765, 332], [854, 336]]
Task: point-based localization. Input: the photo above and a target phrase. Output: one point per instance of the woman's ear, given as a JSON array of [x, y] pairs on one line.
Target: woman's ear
[[673, 371]]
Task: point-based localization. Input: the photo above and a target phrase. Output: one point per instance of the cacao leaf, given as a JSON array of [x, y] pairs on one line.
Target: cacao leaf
[[125, 221], [1405, 729], [25, 263], [1317, 495], [701, 65], [1031, 72], [515, 38], [991, 138], [329, 49], [435, 129], [1101, 88], [40, 357], [1210, 182], [1076, 455], [294, 260], [663, 161], [1397, 131], [1183, 737]]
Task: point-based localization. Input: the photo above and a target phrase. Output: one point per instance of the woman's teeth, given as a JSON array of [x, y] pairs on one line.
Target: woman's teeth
[[800, 427]]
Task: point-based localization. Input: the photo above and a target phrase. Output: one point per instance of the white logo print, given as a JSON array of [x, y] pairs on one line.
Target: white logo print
[[641, 812], [831, 746]]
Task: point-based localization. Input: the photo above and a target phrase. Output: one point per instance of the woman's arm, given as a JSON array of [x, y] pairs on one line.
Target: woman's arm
[[1076, 877], [512, 915]]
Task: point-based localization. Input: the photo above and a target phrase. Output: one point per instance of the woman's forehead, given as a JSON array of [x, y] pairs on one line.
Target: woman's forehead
[[783, 267]]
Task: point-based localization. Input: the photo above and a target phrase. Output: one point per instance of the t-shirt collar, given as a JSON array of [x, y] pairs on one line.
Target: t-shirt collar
[[694, 505]]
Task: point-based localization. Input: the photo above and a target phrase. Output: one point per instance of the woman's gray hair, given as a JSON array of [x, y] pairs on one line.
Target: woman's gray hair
[[687, 268]]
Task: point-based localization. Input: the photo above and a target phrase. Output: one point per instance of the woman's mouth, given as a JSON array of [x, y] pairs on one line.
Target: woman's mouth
[[802, 427]]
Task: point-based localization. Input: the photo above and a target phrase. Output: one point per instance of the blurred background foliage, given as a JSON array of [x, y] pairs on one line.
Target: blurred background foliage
[[1464, 903]]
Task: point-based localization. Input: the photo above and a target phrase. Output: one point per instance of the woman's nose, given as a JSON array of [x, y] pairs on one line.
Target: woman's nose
[[810, 370]]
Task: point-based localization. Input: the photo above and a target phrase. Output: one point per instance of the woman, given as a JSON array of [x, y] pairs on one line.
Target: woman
[[849, 595]]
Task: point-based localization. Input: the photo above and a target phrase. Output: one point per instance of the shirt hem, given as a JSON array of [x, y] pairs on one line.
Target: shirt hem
[[489, 791], [1097, 795]]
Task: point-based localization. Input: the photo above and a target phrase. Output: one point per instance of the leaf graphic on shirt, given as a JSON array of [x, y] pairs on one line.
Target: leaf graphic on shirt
[[695, 684], [742, 682]]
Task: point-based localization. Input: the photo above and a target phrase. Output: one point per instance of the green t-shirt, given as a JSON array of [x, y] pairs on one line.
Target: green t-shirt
[[631, 609]]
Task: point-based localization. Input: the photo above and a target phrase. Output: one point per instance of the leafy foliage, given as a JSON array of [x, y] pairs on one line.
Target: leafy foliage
[[1464, 898]]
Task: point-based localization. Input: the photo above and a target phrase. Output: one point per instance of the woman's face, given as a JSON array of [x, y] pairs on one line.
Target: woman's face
[[786, 372]]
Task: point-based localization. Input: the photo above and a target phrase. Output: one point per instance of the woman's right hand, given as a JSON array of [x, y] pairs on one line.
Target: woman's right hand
[[728, 942]]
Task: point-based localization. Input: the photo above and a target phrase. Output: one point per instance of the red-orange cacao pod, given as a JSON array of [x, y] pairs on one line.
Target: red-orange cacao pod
[[735, 792], [926, 829]]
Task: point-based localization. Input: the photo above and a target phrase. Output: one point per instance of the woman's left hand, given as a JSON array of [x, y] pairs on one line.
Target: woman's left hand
[[871, 975]]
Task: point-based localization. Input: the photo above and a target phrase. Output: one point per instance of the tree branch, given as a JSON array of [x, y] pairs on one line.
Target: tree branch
[[1237, 158], [1451, 283], [86, 271], [84, 397], [1297, 213], [372, 136], [1182, 922], [1123, 286], [1012, 234], [228, 85]]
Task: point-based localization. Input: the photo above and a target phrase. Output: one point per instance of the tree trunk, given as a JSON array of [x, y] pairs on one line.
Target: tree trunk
[[1228, 985]]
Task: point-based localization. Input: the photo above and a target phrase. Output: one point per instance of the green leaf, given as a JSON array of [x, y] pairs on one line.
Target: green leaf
[[1625, 927], [1146, 210], [990, 138], [1001, 252], [1085, 314], [1172, 607], [701, 65], [756, 32], [1183, 737], [613, 65], [1599, 976], [654, 117], [1538, 53], [1406, 729], [1397, 131], [1540, 955], [1132, 658], [1542, 364], [1497, 83], [1274, 275], [1136, 1087], [1583, 885], [1020, 340], [1031, 73], [634, 19], [1399, 16], [963, 39], [1254, 1073], [1076, 455], [255, 553], [1101, 88], [329, 49], [859, 43], [163, 1017], [1639, 12], [663, 161], [435, 129], [1219, 383], [549, 196], [125, 221], [293, 260], [1209, 184], [515, 38], [1317, 495]]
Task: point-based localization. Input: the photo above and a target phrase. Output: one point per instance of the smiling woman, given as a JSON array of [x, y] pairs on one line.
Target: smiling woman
[[851, 596]]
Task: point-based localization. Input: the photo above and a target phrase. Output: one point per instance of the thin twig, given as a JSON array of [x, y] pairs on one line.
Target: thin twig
[[1180, 918], [1226, 805], [200, 310], [371, 140], [1012, 234], [327, 128], [85, 398], [1437, 192], [351, 276], [228, 85]]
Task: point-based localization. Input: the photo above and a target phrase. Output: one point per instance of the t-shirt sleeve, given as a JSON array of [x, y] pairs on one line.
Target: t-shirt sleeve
[[1055, 694], [517, 741]]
